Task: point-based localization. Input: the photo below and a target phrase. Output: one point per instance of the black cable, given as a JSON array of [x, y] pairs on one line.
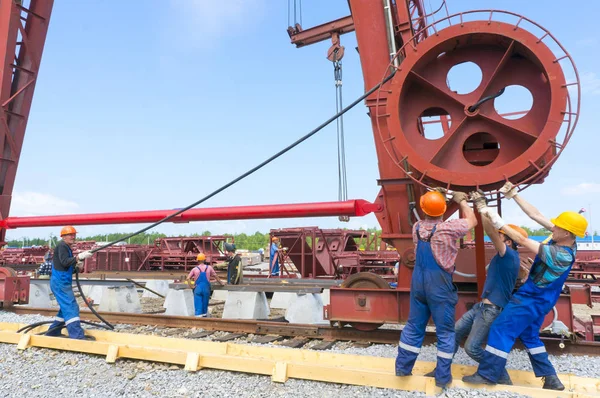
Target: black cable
[[474, 107], [85, 300], [256, 168]]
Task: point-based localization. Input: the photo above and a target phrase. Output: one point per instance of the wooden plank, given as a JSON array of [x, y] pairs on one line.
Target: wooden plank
[[295, 342], [229, 337], [323, 345], [112, 354], [192, 362], [266, 339], [302, 364]]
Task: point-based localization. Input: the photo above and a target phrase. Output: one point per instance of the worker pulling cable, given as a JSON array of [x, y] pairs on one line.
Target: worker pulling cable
[[69, 299]]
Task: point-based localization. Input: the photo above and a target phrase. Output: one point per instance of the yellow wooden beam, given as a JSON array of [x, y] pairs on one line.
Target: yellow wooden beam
[[282, 364]]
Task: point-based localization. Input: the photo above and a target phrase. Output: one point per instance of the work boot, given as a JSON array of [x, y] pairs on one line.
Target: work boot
[[401, 374], [89, 338], [505, 380], [552, 382], [430, 374], [476, 378], [442, 385]]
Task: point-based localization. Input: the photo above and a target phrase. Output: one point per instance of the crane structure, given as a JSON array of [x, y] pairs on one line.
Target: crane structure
[[480, 148]]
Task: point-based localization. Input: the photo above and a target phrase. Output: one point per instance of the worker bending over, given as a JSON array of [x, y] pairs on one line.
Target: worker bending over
[[202, 274], [432, 292], [234, 267], [524, 314], [61, 281]]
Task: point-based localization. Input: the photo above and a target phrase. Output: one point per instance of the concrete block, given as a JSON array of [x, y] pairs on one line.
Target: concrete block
[[250, 259], [159, 286], [326, 297], [95, 293], [179, 302], [220, 295], [306, 308], [39, 295], [246, 305], [282, 300], [120, 299]]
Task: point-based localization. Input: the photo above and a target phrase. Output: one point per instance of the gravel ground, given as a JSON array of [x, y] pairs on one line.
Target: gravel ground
[[44, 373]]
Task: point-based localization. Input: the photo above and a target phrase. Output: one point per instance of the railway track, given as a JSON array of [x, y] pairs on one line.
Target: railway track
[[271, 330]]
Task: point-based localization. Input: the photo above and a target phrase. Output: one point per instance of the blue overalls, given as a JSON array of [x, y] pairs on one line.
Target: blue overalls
[[201, 293], [522, 318], [274, 264], [61, 284], [432, 293]]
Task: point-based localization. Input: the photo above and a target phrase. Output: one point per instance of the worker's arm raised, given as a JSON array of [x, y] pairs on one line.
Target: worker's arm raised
[[494, 236], [510, 192], [468, 213]]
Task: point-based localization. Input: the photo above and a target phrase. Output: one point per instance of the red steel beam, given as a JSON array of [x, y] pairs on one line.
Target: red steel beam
[[319, 33], [352, 208]]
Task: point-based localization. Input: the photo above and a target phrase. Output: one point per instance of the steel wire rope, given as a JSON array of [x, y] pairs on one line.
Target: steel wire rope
[[229, 184]]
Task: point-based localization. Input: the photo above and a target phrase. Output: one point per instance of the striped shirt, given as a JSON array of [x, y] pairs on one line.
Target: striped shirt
[[444, 242]]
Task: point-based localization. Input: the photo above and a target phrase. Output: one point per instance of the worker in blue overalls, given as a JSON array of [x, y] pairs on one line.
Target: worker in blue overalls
[[61, 284], [432, 293], [523, 316], [202, 275], [274, 256]]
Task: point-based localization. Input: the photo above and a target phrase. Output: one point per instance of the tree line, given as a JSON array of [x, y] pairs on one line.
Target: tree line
[[242, 241]]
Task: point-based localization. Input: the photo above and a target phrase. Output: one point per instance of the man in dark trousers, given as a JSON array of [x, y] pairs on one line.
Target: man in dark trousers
[[234, 267], [61, 281]]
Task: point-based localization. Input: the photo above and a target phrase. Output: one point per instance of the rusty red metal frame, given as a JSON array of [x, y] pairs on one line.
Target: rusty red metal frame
[[23, 34], [304, 37]]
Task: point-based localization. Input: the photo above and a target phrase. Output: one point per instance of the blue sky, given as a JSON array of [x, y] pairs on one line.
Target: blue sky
[[152, 106]]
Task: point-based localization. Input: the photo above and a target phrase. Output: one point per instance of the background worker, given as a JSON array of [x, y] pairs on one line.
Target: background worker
[[432, 292], [202, 275], [524, 314], [46, 267], [61, 284], [234, 267], [274, 256]]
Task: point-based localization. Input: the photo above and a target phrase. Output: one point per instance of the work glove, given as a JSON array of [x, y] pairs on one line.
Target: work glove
[[459, 196], [479, 200], [83, 255], [443, 191], [494, 217], [509, 190]]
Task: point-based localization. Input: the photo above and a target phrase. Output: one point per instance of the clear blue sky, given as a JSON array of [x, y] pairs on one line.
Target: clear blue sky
[[151, 105]]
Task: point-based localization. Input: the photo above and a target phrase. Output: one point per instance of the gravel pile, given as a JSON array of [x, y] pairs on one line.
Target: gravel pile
[[44, 373]]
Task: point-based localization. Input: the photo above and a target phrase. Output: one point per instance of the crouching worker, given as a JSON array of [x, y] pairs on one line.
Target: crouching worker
[[523, 316], [61, 284], [202, 275]]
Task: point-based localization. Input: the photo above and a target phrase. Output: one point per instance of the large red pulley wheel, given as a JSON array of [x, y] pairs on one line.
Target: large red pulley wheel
[[480, 147]]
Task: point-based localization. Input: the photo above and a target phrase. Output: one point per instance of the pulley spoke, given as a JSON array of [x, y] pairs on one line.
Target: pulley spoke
[[507, 54], [448, 143], [514, 132], [436, 90]]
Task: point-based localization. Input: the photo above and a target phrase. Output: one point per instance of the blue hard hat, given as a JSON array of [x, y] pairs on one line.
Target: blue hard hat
[[230, 247]]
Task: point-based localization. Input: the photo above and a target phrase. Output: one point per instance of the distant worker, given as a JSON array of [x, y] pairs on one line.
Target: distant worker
[[61, 281], [261, 251], [202, 274], [500, 282], [523, 316], [45, 269], [274, 256], [432, 293], [235, 275]]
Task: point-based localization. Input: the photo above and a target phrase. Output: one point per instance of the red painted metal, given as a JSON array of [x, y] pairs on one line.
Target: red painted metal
[[301, 37], [14, 289], [319, 209], [22, 37], [313, 252]]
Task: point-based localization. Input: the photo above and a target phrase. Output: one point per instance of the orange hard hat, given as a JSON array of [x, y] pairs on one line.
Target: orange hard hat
[[201, 257], [274, 239], [68, 230], [433, 204], [517, 229]]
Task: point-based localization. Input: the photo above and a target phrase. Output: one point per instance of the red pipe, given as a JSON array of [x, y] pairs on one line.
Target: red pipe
[[357, 207]]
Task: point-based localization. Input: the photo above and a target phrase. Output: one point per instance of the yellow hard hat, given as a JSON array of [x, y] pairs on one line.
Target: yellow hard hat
[[571, 221], [201, 257]]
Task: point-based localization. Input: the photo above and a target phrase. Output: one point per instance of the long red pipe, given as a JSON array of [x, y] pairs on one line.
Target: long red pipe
[[357, 207]]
